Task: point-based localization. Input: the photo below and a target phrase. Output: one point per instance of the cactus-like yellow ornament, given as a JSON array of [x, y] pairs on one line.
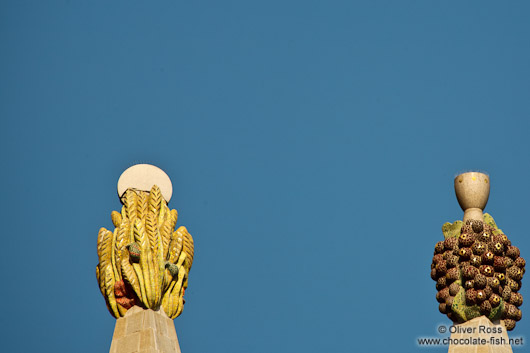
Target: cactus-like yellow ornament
[[145, 261]]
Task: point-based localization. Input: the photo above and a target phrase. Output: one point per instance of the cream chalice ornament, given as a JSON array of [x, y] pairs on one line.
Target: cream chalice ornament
[[472, 192]]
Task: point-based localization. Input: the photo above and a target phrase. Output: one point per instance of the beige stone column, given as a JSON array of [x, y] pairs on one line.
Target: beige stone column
[[144, 331], [489, 337]]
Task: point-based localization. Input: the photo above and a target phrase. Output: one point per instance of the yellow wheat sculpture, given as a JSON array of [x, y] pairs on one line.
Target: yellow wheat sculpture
[[144, 261]]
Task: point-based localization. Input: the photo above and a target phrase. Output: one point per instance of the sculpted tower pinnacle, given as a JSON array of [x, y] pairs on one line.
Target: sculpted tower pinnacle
[[144, 263]]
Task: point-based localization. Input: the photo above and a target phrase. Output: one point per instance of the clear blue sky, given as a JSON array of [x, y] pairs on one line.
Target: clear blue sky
[[312, 147]]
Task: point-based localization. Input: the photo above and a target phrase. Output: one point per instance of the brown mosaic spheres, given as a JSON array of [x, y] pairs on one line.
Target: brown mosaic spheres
[[486, 266]]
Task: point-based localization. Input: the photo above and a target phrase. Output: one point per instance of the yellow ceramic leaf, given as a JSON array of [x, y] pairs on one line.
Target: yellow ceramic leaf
[[143, 246]]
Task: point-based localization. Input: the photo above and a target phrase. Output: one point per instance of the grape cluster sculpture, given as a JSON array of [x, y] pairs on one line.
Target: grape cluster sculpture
[[144, 262], [478, 272]]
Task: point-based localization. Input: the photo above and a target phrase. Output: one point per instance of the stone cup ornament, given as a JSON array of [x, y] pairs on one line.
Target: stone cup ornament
[[477, 270], [472, 192], [144, 262]]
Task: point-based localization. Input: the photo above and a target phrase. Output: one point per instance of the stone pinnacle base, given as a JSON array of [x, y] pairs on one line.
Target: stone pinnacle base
[[144, 331], [491, 337]]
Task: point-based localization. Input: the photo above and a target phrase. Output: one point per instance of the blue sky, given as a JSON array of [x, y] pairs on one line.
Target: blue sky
[[312, 148]]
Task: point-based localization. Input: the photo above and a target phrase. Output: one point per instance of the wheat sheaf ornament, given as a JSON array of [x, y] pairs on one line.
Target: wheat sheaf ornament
[[144, 262], [478, 271]]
